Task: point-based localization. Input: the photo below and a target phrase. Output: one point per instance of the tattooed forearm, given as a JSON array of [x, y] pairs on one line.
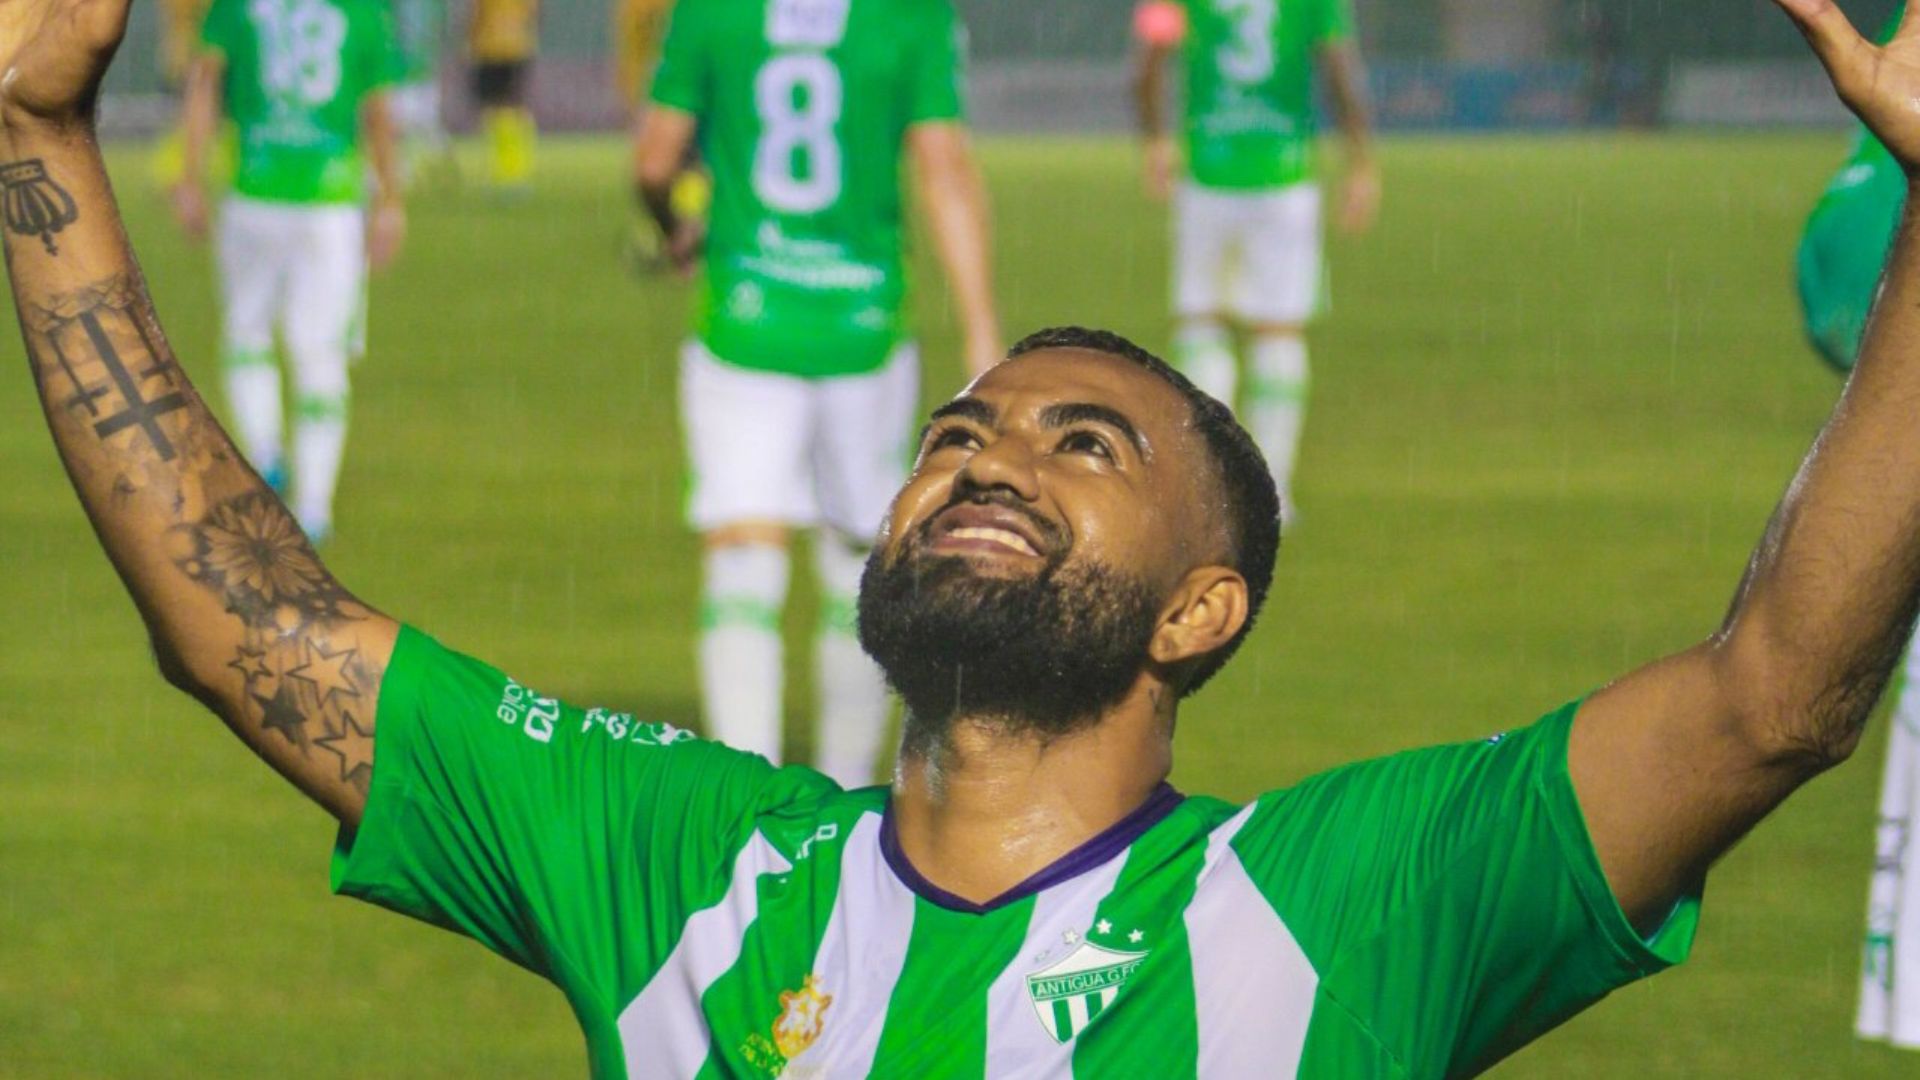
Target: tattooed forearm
[[206, 545], [241, 612], [34, 204], [125, 385], [297, 683]]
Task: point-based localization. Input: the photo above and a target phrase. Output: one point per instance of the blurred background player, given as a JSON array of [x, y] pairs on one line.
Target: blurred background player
[[179, 39], [799, 384], [502, 38], [419, 30], [1247, 216], [304, 82], [1837, 271], [639, 29]]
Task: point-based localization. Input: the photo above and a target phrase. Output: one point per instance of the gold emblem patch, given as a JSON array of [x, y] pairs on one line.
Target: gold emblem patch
[[802, 1017]]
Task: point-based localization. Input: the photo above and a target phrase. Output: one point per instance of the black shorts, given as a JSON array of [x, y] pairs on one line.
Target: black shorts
[[500, 82]]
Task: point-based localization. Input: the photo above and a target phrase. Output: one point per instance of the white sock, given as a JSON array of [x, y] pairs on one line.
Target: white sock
[[853, 693], [744, 589], [319, 441], [1203, 352], [1277, 403], [253, 395]]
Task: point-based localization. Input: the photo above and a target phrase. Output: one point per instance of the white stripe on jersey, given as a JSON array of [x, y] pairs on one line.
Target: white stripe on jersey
[[1018, 1044], [1252, 1016], [861, 955], [663, 1031]]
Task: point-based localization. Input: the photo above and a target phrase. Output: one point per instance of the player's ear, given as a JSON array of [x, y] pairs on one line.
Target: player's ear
[[1206, 610]]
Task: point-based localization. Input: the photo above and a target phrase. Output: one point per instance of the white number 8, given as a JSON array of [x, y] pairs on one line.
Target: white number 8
[[796, 166]]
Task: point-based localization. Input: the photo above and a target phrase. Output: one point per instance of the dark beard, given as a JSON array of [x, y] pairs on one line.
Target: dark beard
[[1044, 655]]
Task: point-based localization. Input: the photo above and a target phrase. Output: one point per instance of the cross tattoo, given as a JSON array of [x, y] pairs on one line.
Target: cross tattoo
[[139, 412]]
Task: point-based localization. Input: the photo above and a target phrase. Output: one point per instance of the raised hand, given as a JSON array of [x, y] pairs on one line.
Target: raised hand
[[242, 613], [53, 53], [1880, 83]]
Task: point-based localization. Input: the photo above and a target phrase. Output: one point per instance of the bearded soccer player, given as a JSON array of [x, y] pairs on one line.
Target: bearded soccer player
[[799, 384], [1084, 540], [1247, 216], [305, 83]]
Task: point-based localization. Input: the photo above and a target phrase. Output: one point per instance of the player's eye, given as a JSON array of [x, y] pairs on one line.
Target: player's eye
[[953, 436], [1087, 442]]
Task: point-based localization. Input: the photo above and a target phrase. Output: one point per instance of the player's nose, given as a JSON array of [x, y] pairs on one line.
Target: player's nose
[[1005, 464]]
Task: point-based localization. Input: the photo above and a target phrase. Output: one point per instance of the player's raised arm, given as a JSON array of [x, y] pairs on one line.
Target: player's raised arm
[[1675, 762], [241, 612]]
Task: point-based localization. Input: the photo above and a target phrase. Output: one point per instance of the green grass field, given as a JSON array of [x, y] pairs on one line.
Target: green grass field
[[1560, 389]]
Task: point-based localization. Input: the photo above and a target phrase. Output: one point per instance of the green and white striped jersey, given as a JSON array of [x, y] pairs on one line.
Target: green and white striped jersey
[[707, 914]]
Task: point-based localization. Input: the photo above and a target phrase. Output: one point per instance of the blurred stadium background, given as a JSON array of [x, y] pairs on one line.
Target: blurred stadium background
[[1560, 388], [1059, 65]]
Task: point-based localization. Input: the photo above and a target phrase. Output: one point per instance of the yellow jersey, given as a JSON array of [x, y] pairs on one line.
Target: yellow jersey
[[504, 31]]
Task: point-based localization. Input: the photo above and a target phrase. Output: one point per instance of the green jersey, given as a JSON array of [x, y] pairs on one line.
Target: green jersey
[[1837, 267], [1249, 102], [707, 914], [803, 107], [296, 72]]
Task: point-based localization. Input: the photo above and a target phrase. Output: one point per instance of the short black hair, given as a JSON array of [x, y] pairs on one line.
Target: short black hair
[[1253, 504]]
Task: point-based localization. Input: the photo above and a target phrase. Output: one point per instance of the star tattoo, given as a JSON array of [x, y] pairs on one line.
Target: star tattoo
[[353, 745], [251, 664], [282, 714], [326, 672]]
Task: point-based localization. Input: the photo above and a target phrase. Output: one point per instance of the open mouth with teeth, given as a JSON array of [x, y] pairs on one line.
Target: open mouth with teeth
[[985, 537], [971, 528]]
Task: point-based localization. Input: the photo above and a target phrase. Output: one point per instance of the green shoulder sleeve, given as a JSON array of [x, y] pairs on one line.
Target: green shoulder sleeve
[[681, 81], [575, 842], [937, 81], [1464, 867], [1338, 24], [382, 63], [222, 24]]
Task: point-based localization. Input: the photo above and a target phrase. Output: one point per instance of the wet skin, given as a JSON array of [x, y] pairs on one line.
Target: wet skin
[[1063, 454], [1060, 457]]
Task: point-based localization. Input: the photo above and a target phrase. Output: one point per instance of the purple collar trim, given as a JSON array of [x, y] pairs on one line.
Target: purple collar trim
[[1096, 851]]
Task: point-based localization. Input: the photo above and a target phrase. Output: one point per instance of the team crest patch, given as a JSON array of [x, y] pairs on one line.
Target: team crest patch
[[1080, 986], [803, 1014]]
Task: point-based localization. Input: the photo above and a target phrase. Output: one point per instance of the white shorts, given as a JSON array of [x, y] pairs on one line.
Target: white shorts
[[301, 270], [769, 447], [415, 108], [1254, 255]]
